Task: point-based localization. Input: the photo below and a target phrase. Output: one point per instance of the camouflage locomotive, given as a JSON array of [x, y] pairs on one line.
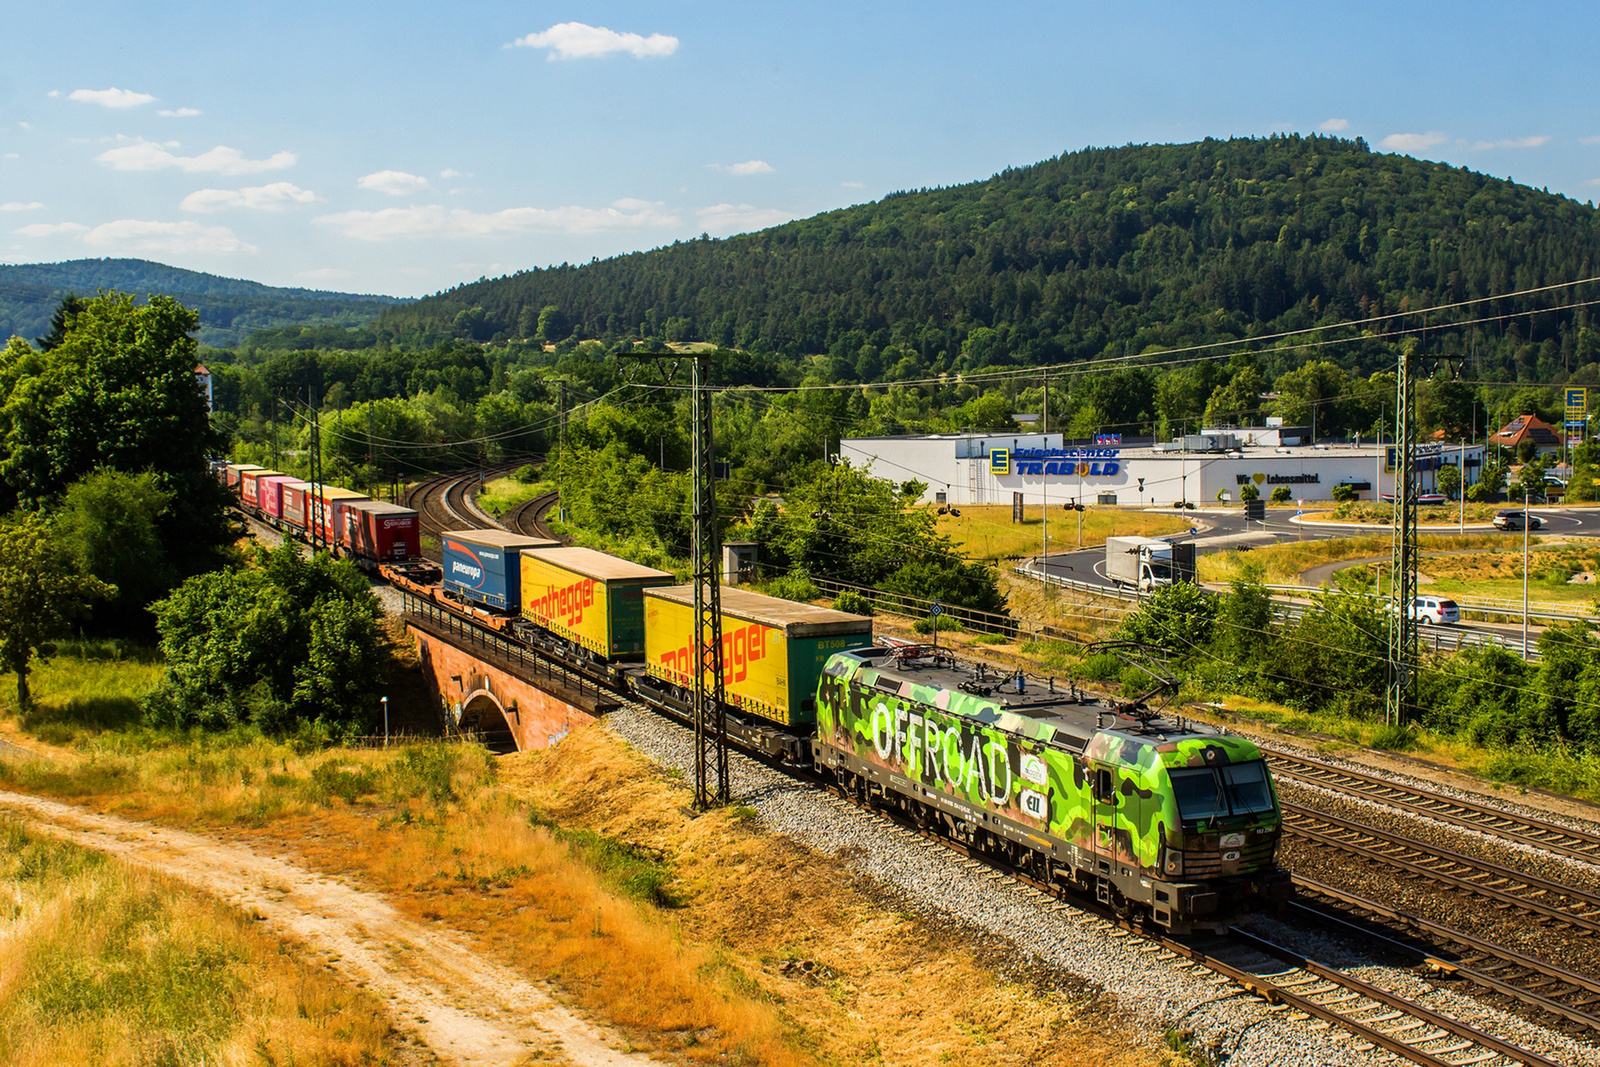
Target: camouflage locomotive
[[1171, 819]]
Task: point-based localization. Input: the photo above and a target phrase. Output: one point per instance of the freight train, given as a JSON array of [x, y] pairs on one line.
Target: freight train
[[1167, 819]]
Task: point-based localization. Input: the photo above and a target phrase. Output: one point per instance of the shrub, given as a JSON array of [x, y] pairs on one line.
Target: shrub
[[1281, 494], [1248, 491], [946, 624], [852, 602], [794, 586], [527, 474], [1342, 493]]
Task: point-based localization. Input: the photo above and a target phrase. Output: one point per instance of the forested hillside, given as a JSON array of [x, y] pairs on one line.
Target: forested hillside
[[1103, 250], [230, 309]]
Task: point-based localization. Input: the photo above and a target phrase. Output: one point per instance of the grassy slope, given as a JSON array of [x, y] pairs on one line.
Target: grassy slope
[[105, 964], [985, 531], [581, 866]]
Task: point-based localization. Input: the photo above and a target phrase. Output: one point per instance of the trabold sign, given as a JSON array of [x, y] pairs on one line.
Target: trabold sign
[[1081, 462]]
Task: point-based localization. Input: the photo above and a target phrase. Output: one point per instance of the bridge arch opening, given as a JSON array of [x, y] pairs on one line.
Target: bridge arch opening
[[484, 718]]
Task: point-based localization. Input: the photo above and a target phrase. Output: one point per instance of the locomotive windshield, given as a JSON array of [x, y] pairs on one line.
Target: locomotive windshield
[[1213, 792]]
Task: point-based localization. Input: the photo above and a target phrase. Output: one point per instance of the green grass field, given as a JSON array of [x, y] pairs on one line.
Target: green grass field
[[985, 531], [503, 494]]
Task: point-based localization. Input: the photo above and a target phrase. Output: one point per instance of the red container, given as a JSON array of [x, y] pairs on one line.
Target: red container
[[237, 471], [376, 530], [293, 502], [269, 494], [249, 483], [327, 511]]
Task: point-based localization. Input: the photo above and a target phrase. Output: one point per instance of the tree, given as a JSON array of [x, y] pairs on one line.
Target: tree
[[60, 322], [1489, 485], [1447, 404], [1309, 396], [1281, 494], [552, 324], [1248, 491], [1176, 618], [1238, 401], [1449, 480], [286, 641], [117, 392], [110, 522], [1343, 493], [1530, 483], [41, 591]]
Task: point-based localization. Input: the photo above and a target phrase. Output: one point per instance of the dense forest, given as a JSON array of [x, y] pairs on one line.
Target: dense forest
[[1098, 252], [230, 309]]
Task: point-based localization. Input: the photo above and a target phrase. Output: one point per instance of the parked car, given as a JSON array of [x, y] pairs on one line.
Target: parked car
[[1425, 499], [1433, 610], [1511, 519]]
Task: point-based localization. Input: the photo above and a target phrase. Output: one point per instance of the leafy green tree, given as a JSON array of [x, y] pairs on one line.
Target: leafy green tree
[[1334, 656], [1248, 491], [1490, 484], [1343, 493], [1449, 481], [1239, 401], [41, 592], [553, 325], [289, 640], [1282, 494], [1447, 405], [1177, 619], [110, 522], [117, 392], [1530, 484], [1310, 395]]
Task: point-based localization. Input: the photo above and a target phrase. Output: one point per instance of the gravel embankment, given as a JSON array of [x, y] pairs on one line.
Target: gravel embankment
[[947, 887]]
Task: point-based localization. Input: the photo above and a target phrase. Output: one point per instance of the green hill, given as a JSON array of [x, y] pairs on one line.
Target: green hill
[[1106, 250], [230, 308]]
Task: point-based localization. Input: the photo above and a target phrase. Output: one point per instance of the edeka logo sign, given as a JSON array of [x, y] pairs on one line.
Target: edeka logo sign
[[1000, 461], [564, 603], [1077, 462]]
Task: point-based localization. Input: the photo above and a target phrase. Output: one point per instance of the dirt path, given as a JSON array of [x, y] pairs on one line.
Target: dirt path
[[466, 1009]]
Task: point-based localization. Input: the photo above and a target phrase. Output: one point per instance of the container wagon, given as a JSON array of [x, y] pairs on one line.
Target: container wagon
[[773, 651], [294, 502], [482, 567], [327, 512], [375, 530], [592, 600], [235, 471], [269, 494], [250, 485], [1164, 817]]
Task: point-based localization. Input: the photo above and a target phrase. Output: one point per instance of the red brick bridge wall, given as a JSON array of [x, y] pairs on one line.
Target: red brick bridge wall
[[480, 690]]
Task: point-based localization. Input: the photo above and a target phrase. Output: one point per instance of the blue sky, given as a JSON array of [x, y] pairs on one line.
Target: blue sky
[[402, 148]]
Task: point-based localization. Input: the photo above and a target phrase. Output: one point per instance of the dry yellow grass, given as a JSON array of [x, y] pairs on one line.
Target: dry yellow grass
[[1283, 563], [985, 531], [104, 964]]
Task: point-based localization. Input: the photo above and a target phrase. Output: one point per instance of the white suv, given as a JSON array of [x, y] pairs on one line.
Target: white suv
[[1438, 610]]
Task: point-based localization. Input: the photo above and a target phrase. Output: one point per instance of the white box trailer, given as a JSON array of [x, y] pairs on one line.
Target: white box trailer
[[1144, 563]]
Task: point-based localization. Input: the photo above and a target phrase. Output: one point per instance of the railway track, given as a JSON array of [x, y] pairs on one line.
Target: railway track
[[441, 503], [1286, 979], [1563, 994], [527, 518], [1561, 906], [1456, 811]]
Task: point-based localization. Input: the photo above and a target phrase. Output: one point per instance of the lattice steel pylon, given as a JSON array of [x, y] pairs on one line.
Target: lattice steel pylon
[[1402, 665], [710, 716]]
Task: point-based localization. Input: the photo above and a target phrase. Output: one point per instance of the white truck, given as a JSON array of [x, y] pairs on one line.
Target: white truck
[[1142, 562]]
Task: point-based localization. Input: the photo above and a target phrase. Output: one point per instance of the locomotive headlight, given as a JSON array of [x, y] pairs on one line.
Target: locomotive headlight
[[1174, 861]]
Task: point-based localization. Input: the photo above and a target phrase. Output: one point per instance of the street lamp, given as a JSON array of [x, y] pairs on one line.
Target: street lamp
[[385, 722]]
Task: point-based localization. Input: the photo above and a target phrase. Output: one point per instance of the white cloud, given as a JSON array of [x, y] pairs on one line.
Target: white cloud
[[115, 98], [178, 113], [1332, 125], [451, 172], [276, 196], [25, 127], [17, 205], [745, 169], [50, 229], [1414, 142], [435, 220], [1589, 140], [13, 155], [578, 40], [147, 155], [136, 235], [323, 274], [53, 93], [739, 218], [854, 185], [393, 182], [170, 238], [1514, 142]]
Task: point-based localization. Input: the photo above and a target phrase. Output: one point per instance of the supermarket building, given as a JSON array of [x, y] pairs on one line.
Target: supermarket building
[[1197, 468]]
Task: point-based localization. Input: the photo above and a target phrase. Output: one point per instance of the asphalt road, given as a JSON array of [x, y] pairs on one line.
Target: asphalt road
[[1218, 529]]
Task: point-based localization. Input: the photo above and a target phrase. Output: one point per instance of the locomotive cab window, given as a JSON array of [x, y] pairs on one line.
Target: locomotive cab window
[[1105, 788], [1215, 792]]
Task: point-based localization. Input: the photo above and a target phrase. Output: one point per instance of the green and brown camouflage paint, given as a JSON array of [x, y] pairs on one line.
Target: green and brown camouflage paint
[[1026, 771]]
